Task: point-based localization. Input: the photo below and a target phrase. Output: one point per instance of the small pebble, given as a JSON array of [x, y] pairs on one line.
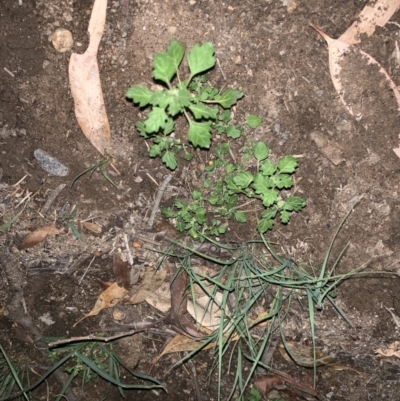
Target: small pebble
[[50, 164], [62, 40]]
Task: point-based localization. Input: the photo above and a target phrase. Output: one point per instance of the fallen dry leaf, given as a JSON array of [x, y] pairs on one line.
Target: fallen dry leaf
[[91, 227], [151, 281], [206, 312], [304, 356], [183, 343], [85, 84], [339, 55], [37, 236], [393, 349], [161, 299], [375, 13], [108, 298]]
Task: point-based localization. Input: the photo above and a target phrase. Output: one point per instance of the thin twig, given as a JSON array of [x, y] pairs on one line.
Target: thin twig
[[195, 381], [157, 201], [84, 274], [51, 199], [222, 71], [128, 250], [91, 337]]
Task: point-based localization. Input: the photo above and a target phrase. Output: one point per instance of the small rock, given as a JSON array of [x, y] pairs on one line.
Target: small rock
[[67, 17], [50, 164], [62, 40]]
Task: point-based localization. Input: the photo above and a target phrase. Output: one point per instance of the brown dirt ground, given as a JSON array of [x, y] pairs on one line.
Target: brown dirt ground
[[268, 50]]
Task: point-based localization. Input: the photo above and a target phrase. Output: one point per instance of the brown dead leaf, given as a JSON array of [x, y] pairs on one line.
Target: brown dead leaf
[[37, 236], [338, 53], [304, 355], [161, 299], [266, 383], [108, 298], [94, 228], [151, 281], [85, 84], [375, 13], [207, 312], [393, 349], [181, 343]]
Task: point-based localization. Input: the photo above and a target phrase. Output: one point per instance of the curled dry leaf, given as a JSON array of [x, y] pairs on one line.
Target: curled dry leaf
[[94, 228], [160, 299], [108, 298], [207, 312], [375, 13], [304, 355], [393, 349], [85, 84], [151, 281], [342, 56], [37, 236]]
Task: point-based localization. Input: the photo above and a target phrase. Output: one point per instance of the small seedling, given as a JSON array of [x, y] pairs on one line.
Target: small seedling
[[223, 199], [207, 110], [100, 165], [69, 220]]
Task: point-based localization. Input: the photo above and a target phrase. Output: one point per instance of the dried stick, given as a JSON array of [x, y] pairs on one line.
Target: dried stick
[[157, 201], [51, 199], [139, 327]]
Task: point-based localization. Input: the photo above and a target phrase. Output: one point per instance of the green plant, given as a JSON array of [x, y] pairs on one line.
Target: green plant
[[224, 198], [205, 108], [254, 395], [82, 360], [100, 165], [253, 276], [68, 218]]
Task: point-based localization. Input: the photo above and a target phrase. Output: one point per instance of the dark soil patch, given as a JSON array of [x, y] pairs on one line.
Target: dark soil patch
[[269, 51]]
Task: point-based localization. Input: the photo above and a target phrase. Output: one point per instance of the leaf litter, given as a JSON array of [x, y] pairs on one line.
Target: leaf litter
[[350, 68], [85, 84]]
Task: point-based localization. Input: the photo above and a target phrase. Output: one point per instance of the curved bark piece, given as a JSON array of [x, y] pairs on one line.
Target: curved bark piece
[[375, 13], [338, 50], [85, 84]]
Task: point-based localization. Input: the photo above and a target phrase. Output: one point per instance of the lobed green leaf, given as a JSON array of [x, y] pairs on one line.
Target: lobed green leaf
[[200, 111], [170, 160], [229, 98], [156, 120], [268, 168], [165, 65], [287, 164], [233, 132], [262, 184], [253, 121], [282, 181], [269, 197], [140, 94], [199, 134], [294, 203], [201, 58], [261, 150], [243, 179], [264, 225], [240, 216]]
